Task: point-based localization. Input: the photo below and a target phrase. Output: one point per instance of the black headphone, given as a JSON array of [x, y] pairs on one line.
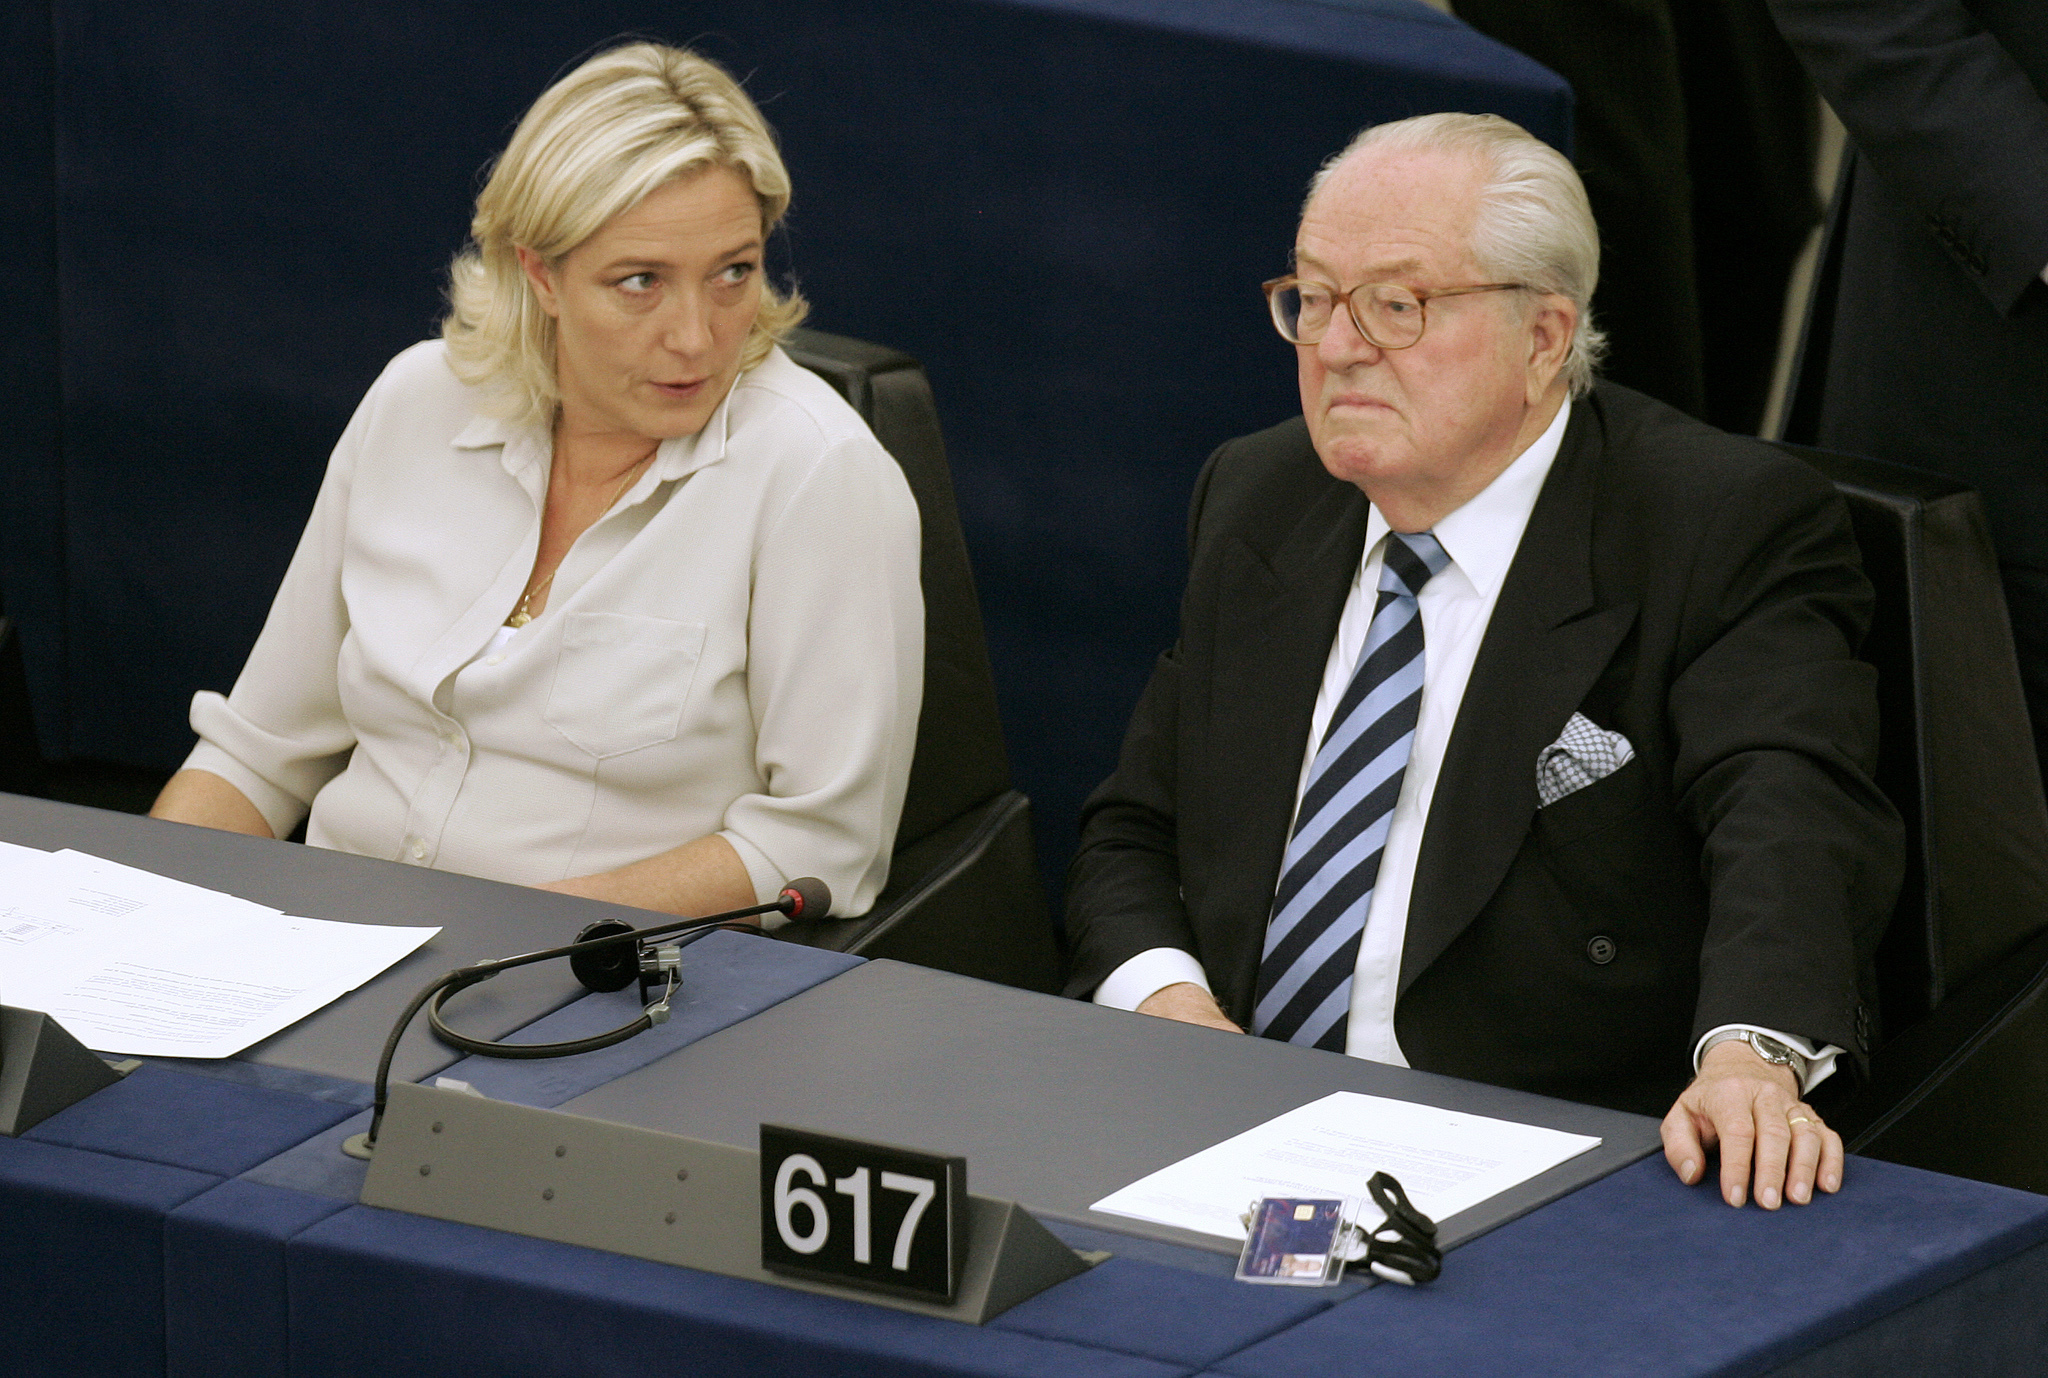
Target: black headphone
[[606, 956]]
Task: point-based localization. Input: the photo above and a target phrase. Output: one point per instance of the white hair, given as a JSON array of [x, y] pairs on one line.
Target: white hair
[[596, 142], [1533, 225]]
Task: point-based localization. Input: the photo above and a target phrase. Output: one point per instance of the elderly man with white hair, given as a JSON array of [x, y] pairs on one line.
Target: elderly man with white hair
[[1514, 730]]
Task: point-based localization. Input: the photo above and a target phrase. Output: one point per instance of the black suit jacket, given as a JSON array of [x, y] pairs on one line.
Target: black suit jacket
[[1698, 593], [1928, 341], [1694, 131]]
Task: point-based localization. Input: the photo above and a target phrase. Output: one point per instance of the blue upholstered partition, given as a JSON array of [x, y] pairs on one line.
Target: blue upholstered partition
[[143, 1230], [83, 1201], [128, 1249], [238, 211]]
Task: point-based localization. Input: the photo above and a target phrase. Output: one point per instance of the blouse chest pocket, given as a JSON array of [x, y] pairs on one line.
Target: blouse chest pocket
[[622, 680]]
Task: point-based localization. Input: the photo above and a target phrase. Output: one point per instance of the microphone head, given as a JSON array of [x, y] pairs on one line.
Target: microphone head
[[606, 968], [809, 898]]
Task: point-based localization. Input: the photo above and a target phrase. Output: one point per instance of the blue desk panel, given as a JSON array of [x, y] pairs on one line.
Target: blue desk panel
[[138, 1254], [81, 1259], [227, 1306], [1640, 1274], [1634, 1275], [83, 1200], [203, 1123], [146, 1225], [457, 1298]]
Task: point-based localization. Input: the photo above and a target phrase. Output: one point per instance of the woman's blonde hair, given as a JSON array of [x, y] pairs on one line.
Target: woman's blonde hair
[[597, 141]]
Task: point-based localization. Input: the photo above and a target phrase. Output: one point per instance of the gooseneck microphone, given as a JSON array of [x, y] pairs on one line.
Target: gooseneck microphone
[[611, 957], [606, 956]]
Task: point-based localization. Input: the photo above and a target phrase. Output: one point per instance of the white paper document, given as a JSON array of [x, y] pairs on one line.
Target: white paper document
[[132, 962], [1447, 1161]]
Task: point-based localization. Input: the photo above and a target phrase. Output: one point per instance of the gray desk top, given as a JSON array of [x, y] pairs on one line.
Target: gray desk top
[[1054, 1103], [479, 919]]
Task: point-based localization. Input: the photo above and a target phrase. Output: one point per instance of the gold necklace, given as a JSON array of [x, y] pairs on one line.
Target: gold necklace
[[522, 611]]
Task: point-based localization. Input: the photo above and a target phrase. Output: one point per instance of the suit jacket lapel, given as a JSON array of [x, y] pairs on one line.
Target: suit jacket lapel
[[1274, 631], [1544, 647]]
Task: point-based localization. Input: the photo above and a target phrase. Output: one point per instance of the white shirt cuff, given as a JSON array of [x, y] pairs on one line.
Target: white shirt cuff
[[1820, 1062], [1151, 971]]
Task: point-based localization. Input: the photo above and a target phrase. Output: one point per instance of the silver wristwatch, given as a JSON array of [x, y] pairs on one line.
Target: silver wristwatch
[[1774, 1050]]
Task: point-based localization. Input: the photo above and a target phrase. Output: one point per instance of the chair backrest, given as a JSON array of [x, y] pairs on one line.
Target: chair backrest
[[1956, 753], [960, 761]]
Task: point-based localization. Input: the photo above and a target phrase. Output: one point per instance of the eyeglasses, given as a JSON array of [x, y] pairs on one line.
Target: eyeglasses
[[1389, 316]]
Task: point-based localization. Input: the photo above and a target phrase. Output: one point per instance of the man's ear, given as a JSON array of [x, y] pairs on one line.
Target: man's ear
[[1551, 325], [540, 275]]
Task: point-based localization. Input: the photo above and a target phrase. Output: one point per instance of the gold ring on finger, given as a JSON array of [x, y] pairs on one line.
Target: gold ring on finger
[[1799, 1119]]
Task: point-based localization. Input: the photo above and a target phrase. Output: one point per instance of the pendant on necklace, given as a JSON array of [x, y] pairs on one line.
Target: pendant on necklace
[[518, 619]]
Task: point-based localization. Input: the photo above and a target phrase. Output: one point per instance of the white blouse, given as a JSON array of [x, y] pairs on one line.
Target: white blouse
[[735, 648]]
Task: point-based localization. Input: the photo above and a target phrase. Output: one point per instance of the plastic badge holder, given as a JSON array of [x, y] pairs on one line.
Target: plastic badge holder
[[1291, 1242], [1301, 1242]]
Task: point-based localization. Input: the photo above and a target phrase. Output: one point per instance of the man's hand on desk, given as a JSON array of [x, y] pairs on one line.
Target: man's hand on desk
[[1188, 1003], [1747, 1106]]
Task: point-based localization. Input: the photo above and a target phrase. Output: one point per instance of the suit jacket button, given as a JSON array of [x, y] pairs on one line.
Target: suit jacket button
[[1600, 950]]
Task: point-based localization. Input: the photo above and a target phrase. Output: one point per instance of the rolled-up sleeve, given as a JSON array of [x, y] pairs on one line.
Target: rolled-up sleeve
[[280, 734], [835, 674]]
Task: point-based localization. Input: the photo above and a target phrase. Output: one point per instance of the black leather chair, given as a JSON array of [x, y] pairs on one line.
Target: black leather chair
[[21, 763], [964, 893], [1959, 1071]]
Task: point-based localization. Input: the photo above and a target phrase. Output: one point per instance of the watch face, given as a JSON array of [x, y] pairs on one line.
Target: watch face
[[1771, 1049]]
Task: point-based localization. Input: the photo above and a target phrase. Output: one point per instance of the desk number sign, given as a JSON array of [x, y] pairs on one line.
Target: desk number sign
[[862, 1214]]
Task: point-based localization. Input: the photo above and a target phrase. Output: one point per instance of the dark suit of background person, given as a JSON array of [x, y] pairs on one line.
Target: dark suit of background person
[[1695, 131], [1693, 591], [1937, 351]]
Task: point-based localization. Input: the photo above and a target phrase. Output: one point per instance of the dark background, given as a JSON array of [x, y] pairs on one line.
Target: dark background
[[219, 221]]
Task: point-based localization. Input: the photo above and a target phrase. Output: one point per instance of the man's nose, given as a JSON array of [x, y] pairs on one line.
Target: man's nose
[[1344, 345]]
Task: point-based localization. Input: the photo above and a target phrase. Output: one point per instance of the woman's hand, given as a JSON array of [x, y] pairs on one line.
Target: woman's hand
[[701, 877]]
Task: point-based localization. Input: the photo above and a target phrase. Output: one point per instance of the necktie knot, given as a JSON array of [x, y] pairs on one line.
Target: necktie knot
[[1411, 560]]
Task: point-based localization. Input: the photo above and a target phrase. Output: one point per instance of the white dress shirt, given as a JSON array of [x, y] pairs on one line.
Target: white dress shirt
[[735, 648], [1481, 538]]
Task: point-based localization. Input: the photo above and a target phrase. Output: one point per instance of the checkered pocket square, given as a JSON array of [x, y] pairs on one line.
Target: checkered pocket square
[[1581, 755]]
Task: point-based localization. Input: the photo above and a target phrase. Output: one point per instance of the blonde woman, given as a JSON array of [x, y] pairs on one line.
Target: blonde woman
[[602, 592]]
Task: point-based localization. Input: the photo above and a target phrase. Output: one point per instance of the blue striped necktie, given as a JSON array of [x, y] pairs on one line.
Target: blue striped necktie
[[1340, 831]]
